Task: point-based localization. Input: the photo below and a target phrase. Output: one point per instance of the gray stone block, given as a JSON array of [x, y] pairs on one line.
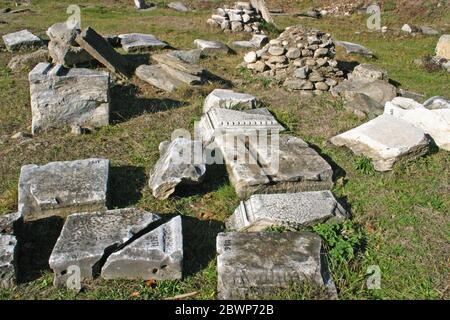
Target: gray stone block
[[8, 255], [222, 98], [62, 188], [19, 40], [139, 42]]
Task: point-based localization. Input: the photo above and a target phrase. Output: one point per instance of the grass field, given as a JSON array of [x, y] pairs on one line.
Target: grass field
[[400, 219]]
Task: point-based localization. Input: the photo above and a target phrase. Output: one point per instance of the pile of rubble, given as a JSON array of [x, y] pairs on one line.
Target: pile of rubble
[[302, 57], [243, 17]]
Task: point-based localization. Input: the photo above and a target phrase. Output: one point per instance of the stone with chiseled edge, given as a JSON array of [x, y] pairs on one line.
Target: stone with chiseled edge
[[139, 42], [386, 140], [88, 238], [286, 209], [19, 40], [286, 165], [62, 188], [181, 162], [218, 121], [258, 264], [156, 255], [209, 47], [223, 98], [8, 255], [62, 97]]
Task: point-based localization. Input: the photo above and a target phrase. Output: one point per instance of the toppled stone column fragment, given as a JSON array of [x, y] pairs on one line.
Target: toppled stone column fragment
[[223, 98], [386, 140], [286, 209], [103, 52], [181, 162], [63, 188], [63, 97], [258, 264], [87, 239], [20, 40], [156, 255]]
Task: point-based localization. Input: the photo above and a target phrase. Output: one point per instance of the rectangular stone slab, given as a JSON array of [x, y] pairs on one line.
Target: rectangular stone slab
[[184, 77], [63, 97], [156, 76], [286, 209], [139, 42], [23, 39], [386, 140], [8, 262], [88, 238], [62, 188], [178, 64], [291, 167], [256, 264], [103, 52], [229, 99], [156, 255]]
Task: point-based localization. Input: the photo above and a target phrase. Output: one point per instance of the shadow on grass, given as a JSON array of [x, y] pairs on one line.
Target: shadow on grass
[[126, 105], [338, 171], [125, 185], [36, 240]]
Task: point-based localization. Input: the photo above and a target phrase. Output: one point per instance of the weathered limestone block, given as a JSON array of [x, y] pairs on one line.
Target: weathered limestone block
[[354, 48], [284, 165], [8, 222], [437, 102], [220, 121], [156, 255], [257, 264], [378, 90], [62, 188], [62, 97], [222, 98], [139, 42], [368, 72], [178, 6], [436, 122], [178, 64], [8, 258], [386, 140], [156, 76], [181, 162], [99, 48], [211, 47], [188, 56], [443, 47], [286, 209], [19, 40], [88, 238]]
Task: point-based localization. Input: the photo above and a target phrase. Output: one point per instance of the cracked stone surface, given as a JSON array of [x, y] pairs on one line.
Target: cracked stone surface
[[229, 99], [156, 255], [62, 188], [286, 209], [7, 260], [19, 40], [63, 97], [139, 42], [88, 238], [181, 162], [256, 264], [386, 140], [287, 165]]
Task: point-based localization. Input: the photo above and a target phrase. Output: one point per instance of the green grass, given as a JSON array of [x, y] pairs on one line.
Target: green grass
[[400, 219]]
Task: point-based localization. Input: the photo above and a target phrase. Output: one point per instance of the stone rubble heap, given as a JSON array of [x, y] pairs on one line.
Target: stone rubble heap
[[302, 57], [242, 17]]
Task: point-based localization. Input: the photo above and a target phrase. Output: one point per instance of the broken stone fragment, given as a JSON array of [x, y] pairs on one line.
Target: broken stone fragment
[[189, 56], [8, 223], [62, 188], [368, 72], [178, 64], [8, 258], [28, 61], [354, 48], [220, 121], [258, 264], [289, 210], [157, 255], [435, 123], [273, 164], [99, 48], [20, 40], [437, 102], [211, 47], [61, 97], [178, 6], [223, 98], [139, 42], [386, 140], [181, 163], [443, 47], [88, 239]]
